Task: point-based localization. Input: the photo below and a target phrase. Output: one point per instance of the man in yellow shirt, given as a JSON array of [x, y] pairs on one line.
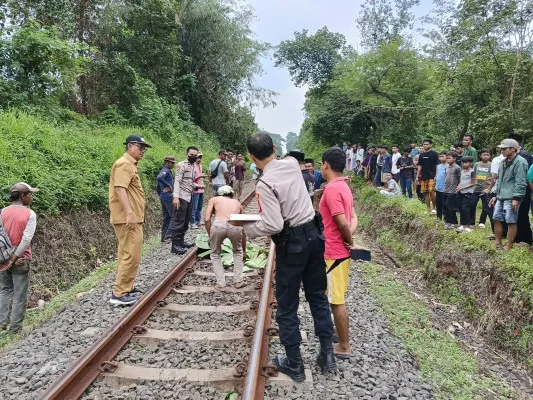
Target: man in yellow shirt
[[126, 207]]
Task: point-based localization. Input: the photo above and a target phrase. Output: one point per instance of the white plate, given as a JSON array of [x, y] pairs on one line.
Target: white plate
[[244, 217]]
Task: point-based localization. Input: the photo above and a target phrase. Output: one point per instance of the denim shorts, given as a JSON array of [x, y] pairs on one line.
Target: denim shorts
[[503, 211]]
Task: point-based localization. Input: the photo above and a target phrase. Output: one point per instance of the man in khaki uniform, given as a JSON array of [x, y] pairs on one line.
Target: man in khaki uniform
[[127, 207]]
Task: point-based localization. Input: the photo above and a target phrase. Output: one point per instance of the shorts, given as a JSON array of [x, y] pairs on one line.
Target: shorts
[[337, 281], [427, 186], [503, 211]]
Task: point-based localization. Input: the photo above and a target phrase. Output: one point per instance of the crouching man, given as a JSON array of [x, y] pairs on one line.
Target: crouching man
[[222, 206]]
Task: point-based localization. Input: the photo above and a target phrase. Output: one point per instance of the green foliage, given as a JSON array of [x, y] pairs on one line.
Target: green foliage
[[256, 256], [474, 259], [311, 59], [71, 162], [278, 140], [153, 64], [451, 371], [36, 64], [473, 75], [291, 141]]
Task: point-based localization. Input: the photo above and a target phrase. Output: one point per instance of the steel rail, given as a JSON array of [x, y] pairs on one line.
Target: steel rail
[[254, 385], [80, 375]]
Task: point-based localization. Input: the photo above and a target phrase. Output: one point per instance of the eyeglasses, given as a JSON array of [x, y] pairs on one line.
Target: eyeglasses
[[140, 146]]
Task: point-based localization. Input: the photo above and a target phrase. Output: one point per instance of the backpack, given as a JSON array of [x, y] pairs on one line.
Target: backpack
[[6, 248], [214, 173]]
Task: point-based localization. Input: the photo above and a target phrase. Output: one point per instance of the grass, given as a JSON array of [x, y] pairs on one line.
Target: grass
[[451, 371], [493, 288], [35, 317]]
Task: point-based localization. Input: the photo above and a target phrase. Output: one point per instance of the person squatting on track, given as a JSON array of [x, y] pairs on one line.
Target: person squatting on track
[[165, 187], [222, 206], [126, 209], [288, 217], [340, 223], [19, 224], [184, 187]]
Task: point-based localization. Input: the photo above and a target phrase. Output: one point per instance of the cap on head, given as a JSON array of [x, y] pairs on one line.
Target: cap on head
[[508, 143], [171, 159], [225, 190], [136, 139], [23, 187]]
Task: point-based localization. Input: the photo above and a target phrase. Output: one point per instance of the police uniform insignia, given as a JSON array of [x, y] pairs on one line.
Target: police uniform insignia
[[257, 195]]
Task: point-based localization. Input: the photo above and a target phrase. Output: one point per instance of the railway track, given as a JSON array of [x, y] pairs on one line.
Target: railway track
[[151, 342]]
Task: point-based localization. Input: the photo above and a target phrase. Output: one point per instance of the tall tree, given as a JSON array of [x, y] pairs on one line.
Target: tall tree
[[311, 59]]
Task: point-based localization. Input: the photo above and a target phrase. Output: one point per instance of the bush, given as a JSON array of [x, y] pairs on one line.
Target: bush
[[71, 162]]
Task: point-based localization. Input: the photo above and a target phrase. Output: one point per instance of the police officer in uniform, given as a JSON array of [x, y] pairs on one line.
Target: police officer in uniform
[[288, 217]]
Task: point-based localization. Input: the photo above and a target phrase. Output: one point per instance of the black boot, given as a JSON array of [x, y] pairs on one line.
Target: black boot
[[291, 364], [177, 248], [326, 358], [186, 244]]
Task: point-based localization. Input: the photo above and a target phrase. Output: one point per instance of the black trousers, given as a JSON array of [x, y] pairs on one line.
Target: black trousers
[[450, 207], [180, 221], [524, 233], [465, 199], [167, 209], [303, 261], [440, 199]]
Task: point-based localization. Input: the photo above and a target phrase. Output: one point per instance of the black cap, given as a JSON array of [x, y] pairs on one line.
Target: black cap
[[136, 139], [300, 156]]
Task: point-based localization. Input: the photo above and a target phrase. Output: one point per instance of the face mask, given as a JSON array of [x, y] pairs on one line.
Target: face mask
[[192, 159]]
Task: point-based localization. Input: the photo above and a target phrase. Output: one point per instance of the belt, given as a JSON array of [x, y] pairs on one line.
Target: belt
[[305, 227]]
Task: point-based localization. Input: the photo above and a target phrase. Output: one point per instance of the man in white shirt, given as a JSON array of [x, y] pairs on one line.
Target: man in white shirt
[[395, 157]]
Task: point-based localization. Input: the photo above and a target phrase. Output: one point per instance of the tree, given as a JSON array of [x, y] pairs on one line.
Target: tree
[[311, 59], [277, 139], [384, 20], [291, 141]]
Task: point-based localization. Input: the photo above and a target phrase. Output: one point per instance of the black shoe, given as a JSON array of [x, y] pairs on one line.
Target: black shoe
[[186, 244], [291, 364], [178, 250], [135, 292], [326, 358], [125, 300]]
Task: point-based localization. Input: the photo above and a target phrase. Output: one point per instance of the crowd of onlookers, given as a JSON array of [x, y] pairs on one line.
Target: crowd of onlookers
[[455, 181]]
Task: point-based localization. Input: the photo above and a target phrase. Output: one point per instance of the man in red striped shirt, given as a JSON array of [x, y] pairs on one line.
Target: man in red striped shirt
[[20, 223]]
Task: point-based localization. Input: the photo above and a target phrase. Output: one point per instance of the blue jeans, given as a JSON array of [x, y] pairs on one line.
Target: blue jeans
[[377, 177], [15, 282], [215, 189], [407, 186], [197, 202]]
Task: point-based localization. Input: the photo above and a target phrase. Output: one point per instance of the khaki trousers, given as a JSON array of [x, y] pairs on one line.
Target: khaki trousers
[[221, 230], [129, 257]]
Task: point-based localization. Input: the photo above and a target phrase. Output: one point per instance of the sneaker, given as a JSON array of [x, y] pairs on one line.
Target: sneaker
[[448, 226], [135, 292], [433, 212], [195, 226], [481, 226], [467, 230], [460, 228], [125, 300]]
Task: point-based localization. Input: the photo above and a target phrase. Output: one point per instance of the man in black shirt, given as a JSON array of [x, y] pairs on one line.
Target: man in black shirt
[[427, 170], [406, 166]]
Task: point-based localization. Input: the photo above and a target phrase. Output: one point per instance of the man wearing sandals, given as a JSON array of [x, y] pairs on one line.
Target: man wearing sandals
[[222, 206]]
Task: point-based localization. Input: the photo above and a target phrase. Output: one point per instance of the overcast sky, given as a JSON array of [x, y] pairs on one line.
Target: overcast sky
[[277, 20]]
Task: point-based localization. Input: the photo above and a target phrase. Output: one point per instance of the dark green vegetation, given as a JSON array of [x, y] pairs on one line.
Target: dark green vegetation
[[451, 371], [493, 288], [71, 162], [473, 74], [153, 64]]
